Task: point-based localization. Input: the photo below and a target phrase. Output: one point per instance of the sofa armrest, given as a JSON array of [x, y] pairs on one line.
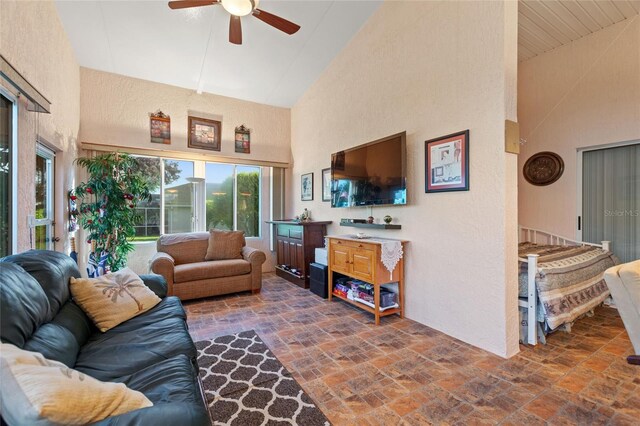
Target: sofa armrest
[[156, 283], [178, 413], [253, 255], [256, 258], [163, 264]]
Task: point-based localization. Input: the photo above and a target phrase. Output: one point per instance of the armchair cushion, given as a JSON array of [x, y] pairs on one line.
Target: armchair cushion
[[630, 275], [210, 270], [225, 245], [624, 283]]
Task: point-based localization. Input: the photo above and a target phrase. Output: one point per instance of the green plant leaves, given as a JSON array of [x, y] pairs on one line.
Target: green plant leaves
[[106, 203]]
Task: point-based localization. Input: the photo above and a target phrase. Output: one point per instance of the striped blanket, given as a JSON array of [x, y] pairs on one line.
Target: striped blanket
[[569, 280]]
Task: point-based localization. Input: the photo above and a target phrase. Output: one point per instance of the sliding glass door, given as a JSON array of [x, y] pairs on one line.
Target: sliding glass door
[[233, 198], [611, 199], [179, 212], [44, 233], [7, 135]]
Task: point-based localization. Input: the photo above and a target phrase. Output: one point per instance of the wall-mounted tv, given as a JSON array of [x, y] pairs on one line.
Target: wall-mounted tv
[[373, 174]]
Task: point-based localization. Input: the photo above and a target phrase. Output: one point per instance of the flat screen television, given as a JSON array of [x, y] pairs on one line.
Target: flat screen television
[[373, 174]]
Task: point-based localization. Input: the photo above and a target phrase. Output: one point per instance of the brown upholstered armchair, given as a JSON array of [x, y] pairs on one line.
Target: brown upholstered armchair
[[181, 261]]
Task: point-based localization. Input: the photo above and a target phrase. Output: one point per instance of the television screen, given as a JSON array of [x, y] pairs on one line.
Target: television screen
[[370, 174]]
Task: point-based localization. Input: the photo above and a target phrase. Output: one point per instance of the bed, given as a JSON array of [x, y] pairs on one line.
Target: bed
[[560, 280]]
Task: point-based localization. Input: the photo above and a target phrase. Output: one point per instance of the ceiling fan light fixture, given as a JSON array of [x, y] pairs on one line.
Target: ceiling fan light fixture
[[239, 7]]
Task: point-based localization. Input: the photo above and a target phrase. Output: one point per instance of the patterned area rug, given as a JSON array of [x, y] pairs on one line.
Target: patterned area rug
[[246, 385]]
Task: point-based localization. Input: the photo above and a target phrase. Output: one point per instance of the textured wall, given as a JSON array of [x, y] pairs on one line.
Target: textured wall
[[430, 68], [115, 110], [33, 40], [582, 94]]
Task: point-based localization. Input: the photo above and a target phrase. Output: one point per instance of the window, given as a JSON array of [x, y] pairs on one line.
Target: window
[[227, 197], [44, 238], [233, 198], [248, 200], [149, 218], [220, 200], [8, 122], [179, 191]]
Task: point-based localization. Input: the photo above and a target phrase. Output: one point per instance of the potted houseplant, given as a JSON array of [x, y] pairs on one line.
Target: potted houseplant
[[106, 208]]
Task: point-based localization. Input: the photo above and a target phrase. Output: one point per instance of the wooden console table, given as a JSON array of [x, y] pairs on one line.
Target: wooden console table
[[295, 247], [361, 259]]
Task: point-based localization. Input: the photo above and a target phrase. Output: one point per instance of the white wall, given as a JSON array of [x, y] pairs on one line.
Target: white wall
[[430, 68], [582, 94], [33, 40], [115, 110]]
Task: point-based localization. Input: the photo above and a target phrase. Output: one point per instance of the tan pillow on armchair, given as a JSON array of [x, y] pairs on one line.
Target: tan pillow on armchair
[[225, 245]]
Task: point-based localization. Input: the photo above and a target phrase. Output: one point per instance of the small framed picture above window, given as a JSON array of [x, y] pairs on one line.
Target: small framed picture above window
[[204, 133], [243, 140], [160, 125], [306, 187]]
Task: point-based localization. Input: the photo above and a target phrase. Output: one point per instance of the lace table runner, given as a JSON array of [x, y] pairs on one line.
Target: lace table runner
[[390, 255]]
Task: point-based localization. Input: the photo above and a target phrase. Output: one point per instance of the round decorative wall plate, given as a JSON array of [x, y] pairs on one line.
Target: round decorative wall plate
[[543, 168]]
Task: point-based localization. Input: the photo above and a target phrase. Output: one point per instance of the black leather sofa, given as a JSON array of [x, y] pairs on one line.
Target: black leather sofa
[[151, 353]]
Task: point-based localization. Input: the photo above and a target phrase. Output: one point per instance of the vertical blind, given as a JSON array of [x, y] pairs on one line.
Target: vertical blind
[[611, 199]]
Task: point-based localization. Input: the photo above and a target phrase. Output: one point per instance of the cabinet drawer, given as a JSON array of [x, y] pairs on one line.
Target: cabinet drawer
[[289, 231], [356, 244], [282, 231]]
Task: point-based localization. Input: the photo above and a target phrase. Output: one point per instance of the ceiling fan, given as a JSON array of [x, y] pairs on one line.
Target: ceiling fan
[[237, 9]]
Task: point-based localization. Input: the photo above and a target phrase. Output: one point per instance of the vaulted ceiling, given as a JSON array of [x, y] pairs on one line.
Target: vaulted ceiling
[[189, 48], [545, 25]]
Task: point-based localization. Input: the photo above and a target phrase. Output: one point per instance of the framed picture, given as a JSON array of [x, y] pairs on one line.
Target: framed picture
[[160, 125], [447, 163], [243, 140], [306, 187], [326, 184], [204, 134]]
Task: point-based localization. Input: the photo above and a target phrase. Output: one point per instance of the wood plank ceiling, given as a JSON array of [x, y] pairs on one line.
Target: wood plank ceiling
[[544, 25]]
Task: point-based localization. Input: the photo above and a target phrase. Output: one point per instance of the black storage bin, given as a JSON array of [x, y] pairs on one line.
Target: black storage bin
[[318, 281]]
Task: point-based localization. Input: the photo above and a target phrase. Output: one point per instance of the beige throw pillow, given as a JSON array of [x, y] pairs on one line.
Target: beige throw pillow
[[225, 245], [113, 298], [37, 391]]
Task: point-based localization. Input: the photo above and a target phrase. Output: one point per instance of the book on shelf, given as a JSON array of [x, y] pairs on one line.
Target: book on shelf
[[371, 305]]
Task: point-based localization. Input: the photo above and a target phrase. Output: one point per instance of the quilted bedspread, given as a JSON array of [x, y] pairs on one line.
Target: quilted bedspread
[[569, 280]]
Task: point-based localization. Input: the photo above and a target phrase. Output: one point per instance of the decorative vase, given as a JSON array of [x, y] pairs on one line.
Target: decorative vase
[[370, 219], [387, 219]]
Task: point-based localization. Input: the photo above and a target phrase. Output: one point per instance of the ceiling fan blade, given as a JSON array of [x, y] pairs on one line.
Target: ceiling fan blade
[[183, 4], [276, 21], [235, 30]]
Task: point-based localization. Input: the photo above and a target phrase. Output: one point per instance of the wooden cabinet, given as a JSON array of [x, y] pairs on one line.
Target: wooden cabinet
[[361, 259], [295, 248], [354, 261]]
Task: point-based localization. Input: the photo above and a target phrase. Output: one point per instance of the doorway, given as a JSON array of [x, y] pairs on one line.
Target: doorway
[[44, 233]]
